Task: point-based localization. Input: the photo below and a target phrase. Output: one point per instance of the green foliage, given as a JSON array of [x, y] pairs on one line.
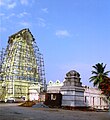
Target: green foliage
[[105, 86], [98, 74]]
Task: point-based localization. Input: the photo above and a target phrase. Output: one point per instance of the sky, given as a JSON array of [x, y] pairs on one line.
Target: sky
[[71, 34]]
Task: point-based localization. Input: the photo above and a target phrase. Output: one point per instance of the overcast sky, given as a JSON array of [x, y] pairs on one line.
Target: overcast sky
[[71, 34]]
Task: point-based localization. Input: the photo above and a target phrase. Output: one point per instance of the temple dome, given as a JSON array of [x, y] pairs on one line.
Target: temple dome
[[73, 73]]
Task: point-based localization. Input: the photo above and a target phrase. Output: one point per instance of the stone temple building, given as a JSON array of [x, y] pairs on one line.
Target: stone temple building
[[22, 72], [75, 95], [22, 76]]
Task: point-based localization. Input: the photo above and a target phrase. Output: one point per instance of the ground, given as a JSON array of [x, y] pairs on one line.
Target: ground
[[14, 112]]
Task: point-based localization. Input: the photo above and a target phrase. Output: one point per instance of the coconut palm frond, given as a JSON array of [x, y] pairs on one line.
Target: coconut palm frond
[[104, 66], [106, 73], [99, 74], [92, 78], [95, 67], [96, 82], [94, 72]]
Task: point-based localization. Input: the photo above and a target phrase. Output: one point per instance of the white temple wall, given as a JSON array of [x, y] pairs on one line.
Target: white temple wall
[[94, 98]]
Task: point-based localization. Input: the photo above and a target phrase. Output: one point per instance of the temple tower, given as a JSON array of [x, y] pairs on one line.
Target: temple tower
[[21, 66]]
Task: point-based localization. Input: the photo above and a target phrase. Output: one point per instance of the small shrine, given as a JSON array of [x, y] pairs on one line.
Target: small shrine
[[72, 90]]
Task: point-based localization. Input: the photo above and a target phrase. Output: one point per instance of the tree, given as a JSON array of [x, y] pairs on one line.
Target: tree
[[101, 79], [99, 74], [105, 86]]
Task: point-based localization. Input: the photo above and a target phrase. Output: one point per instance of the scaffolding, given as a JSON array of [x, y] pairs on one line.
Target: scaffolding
[[40, 66], [2, 52], [22, 61]]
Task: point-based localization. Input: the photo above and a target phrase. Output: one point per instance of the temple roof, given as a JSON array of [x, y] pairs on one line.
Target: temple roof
[[20, 33], [73, 73]]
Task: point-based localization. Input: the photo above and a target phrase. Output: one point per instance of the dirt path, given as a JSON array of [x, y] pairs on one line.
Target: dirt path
[[14, 112]]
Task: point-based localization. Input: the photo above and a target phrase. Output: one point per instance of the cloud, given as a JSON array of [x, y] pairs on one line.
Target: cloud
[[45, 10], [25, 24], [6, 17], [22, 14], [24, 2], [11, 15], [9, 4], [41, 22], [27, 2], [62, 33]]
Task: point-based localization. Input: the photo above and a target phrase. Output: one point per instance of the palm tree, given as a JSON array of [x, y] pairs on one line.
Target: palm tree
[[99, 74]]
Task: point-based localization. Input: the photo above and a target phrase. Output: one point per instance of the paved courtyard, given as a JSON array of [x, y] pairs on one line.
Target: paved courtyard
[[14, 112]]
